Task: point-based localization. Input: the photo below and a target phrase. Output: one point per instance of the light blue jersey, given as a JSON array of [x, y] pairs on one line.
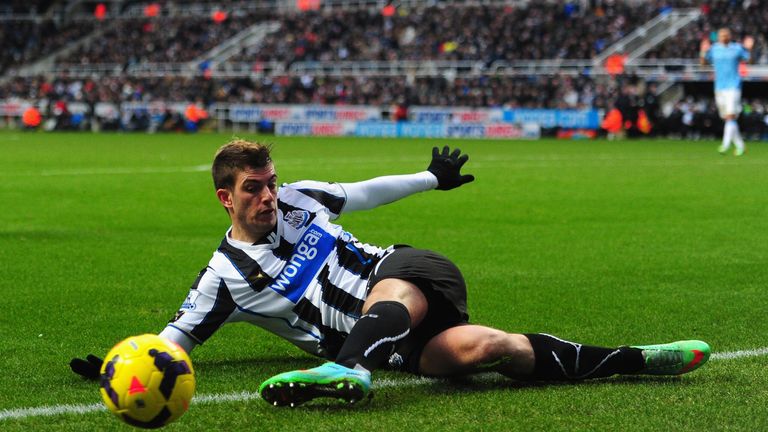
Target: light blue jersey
[[725, 59]]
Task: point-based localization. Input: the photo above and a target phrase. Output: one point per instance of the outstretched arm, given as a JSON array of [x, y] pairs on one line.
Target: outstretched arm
[[444, 173], [748, 44], [703, 49], [178, 337]]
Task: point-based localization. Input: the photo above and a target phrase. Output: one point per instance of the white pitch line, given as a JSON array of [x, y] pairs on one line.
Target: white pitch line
[[739, 354], [216, 398], [45, 411]]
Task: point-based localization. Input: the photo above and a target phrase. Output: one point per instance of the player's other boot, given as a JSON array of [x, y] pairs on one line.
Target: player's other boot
[[674, 358], [722, 149], [739, 152], [328, 380]]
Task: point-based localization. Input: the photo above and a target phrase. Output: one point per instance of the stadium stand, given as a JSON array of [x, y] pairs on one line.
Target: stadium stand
[[477, 33], [510, 54], [24, 41], [176, 39], [743, 17], [484, 91]]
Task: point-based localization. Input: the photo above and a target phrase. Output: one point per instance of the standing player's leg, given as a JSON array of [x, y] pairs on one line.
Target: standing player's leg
[[722, 110], [731, 130], [729, 107], [472, 348]]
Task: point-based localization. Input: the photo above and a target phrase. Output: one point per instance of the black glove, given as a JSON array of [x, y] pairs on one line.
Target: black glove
[[89, 368], [446, 167]]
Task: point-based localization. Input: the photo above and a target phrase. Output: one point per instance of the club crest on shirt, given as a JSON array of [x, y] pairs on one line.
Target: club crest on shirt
[[189, 302], [296, 218]]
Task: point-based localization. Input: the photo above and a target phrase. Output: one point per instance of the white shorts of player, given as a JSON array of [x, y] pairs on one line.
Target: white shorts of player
[[728, 102]]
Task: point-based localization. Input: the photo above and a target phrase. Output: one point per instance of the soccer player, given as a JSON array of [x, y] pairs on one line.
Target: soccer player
[[285, 265], [725, 57]]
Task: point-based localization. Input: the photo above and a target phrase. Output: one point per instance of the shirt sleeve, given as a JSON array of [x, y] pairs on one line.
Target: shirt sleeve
[[207, 307], [320, 194], [378, 191], [745, 56], [178, 337]]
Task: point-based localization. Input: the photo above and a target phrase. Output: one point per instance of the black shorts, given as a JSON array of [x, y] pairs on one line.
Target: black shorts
[[443, 286]]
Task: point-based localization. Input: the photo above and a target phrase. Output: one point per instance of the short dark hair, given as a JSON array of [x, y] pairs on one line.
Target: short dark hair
[[238, 155]]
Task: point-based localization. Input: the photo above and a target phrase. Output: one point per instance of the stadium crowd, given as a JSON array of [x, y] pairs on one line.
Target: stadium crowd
[[161, 40], [540, 30], [487, 33], [690, 118], [745, 17], [24, 42], [557, 91]]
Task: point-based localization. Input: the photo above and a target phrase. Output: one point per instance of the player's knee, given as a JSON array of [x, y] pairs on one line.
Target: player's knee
[[403, 292], [491, 346]]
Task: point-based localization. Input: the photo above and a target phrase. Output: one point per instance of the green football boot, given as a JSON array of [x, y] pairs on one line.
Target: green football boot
[[328, 380], [675, 358]]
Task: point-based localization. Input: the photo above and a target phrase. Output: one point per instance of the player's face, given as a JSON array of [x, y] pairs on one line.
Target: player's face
[[724, 36], [252, 204]]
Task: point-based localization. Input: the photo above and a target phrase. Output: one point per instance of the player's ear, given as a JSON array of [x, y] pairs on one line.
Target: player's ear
[[225, 197]]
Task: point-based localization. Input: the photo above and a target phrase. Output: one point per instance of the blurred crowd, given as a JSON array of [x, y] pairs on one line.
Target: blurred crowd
[[690, 118], [565, 29], [542, 91], [23, 42], [743, 17], [161, 40], [697, 118], [694, 117], [8, 7], [541, 30], [538, 30]]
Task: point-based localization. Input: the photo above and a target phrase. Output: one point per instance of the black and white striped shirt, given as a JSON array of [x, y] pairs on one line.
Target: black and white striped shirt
[[307, 282]]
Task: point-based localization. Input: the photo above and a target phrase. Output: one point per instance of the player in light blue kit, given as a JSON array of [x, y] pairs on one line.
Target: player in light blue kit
[[725, 57]]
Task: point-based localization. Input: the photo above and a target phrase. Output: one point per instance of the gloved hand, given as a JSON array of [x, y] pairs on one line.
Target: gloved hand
[[89, 368], [447, 168]]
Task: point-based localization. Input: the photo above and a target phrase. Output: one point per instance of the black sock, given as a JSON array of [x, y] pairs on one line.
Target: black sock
[[560, 360], [373, 338]]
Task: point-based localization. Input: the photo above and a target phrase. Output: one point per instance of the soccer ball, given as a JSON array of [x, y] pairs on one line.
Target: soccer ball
[[147, 381]]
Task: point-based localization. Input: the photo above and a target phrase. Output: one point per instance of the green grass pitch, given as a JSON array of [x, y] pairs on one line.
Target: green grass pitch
[[625, 242]]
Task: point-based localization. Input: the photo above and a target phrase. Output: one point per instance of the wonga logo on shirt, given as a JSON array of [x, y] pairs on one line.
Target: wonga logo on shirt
[[308, 255]]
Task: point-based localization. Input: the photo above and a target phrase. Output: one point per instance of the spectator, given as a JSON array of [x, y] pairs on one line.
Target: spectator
[[31, 118]]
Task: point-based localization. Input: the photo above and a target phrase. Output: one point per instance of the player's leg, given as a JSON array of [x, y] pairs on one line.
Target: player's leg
[[729, 106], [721, 100], [392, 308], [409, 286], [468, 349], [731, 130], [735, 110], [471, 349], [404, 286]]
